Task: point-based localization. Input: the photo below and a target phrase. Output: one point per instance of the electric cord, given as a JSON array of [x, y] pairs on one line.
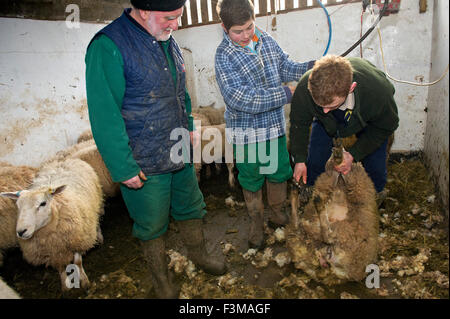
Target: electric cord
[[368, 31], [329, 26], [402, 81], [360, 34]]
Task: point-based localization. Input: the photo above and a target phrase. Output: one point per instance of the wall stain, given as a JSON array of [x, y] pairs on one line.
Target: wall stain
[[16, 134]]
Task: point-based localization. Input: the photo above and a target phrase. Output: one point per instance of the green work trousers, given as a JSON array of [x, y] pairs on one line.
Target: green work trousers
[[258, 161], [173, 194]]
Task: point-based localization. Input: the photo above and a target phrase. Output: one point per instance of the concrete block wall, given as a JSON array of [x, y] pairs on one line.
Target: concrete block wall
[[436, 145]]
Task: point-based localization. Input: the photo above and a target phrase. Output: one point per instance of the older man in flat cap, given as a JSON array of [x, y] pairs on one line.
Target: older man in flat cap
[[136, 93]]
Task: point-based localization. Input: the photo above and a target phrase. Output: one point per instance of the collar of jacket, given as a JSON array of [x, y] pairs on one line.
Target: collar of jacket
[[356, 109], [258, 34]]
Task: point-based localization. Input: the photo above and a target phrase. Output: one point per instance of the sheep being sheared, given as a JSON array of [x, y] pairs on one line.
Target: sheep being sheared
[[336, 237], [11, 178], [58, 218]]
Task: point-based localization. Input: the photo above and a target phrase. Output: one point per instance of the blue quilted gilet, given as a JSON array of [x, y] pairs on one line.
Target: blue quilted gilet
[[153, 104]]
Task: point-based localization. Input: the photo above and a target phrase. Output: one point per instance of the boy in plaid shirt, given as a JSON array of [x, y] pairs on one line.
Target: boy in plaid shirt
[[250, 69]]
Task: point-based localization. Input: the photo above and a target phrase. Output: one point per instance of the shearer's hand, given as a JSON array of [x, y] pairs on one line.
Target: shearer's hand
[[300, 171], [346, 164], [292, 88], [136, 182]]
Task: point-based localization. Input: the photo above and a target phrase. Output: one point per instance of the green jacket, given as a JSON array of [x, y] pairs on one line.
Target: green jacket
[[105, 86], [375, 112]]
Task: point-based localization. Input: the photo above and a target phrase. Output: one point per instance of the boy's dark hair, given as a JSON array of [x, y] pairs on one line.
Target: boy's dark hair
[[235, 12]]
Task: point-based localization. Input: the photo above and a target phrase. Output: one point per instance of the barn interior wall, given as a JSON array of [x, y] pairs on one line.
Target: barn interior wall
[[42, 84], [436, 145]]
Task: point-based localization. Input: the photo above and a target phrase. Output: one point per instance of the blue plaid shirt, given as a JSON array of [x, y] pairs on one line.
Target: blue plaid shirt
[[251, 86]]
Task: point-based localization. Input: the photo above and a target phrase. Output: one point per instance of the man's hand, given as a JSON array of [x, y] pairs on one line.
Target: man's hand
[[346, 164], [292, 88], [300, 171], [136, 182]]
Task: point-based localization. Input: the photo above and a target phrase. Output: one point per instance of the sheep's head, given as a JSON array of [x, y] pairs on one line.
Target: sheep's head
[[34, 209], [336, 259]]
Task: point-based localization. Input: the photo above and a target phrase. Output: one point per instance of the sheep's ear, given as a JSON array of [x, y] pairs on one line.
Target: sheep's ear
[[12, 195], [57, 190]]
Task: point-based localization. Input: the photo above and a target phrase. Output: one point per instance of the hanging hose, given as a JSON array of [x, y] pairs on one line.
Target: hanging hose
[[368, 31], [329, 26]]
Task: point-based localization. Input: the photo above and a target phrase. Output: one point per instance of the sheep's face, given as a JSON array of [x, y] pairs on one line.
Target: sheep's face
[[337, 259], [34, 210]]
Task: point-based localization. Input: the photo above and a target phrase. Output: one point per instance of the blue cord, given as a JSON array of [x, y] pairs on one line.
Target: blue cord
[[329, 26]]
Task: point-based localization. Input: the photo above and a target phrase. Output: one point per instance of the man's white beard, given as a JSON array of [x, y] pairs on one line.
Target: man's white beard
[[164, 36]]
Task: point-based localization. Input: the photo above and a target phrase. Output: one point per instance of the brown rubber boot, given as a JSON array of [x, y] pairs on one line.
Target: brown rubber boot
[[255, 208], [155, 255], [276, 198], [192, 233]]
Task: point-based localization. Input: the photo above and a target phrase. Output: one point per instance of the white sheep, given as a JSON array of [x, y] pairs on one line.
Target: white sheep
[[209, 115], [88, 152], [213, 149], [11, 178], [85, 136], [7, 292], [58, 216]]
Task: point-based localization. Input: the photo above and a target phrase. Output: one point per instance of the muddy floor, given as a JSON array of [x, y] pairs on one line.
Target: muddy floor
[[413, 258]]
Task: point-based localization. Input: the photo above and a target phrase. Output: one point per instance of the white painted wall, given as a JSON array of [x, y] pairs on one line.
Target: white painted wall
[[436, 135], [304, 35], [42, 86]]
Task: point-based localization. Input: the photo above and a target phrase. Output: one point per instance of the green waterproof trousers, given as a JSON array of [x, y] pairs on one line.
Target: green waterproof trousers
[[173, 194], [258, 161]]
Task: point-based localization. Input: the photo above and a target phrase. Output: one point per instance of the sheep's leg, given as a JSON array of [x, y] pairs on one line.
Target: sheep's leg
[[65, 284], [231, 180], [198, 168], [321, 211], [208, 171], [336, 176], [84, 280], [218, 168], [99, 235], [325, 227], [294, 205], [101, 212]]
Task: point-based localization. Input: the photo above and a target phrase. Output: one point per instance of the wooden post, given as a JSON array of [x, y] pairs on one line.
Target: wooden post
[[289, 4], [302, 4], [262, 7], [194, 15], [215, 16], [184, 19], [204, 9]]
